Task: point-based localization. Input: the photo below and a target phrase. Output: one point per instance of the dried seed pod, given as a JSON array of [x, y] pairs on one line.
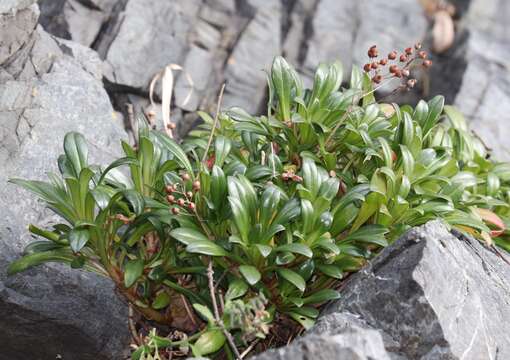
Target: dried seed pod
[[392, 55], [397, 73], [409, 50], [403, 58], [383, 62], [367, 67], [176, 211], [374, 65], [394, 69], [427, 63], [422, 54], [377, 79], [373, 52]]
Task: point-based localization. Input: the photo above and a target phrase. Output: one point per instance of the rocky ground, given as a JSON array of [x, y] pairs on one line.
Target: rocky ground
[[75, 64]]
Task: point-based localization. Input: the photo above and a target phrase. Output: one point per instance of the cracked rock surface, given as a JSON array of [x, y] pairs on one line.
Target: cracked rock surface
[[432, 294], [49, 87]]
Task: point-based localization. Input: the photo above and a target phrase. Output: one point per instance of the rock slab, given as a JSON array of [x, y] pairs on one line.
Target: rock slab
[[49, 87]]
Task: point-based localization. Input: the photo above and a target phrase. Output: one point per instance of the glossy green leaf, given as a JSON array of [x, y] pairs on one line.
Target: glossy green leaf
[[293, 277], [132, 271], [250, 273]]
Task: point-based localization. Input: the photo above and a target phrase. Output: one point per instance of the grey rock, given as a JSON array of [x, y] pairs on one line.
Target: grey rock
[[344, 30], [432, 295], [199, 66], [13, 6], [149, 38], [254, 52], [484, 94], [16, 28], [53, 310]]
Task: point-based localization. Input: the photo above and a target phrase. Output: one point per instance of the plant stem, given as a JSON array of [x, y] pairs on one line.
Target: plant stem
[[228, 336], [215, 122]]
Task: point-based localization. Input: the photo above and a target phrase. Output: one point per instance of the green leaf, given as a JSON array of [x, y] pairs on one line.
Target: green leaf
[[78, 238], [132, 271], [282, 81], [135, 199], [75, 148], [59, 255], [205, 313], [294, 278], [222, 147], [236, 289], [173, 148], [331, 271], [206, 247], [296, 248], [161, 301], [322, 296], [374, 234], [250, 273], [187, 235], [305, 321], [116, 164], [208, 343]]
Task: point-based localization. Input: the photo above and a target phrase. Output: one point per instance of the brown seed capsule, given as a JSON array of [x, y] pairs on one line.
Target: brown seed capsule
[[180, 202], [185, 177], [191, 206], [171, 126], [383, 62], [373, 52], [411, 83], [427, 63], [422, 54], [377, 79], [403, 58], [189, 194], [417, 46], [285, 176], [169, 189], [392, 55], [405, 72], [398, 73], [374, 65], [409, 50], [170, 199], [367, 67], [393, 69], [176, 211], [151, 114], [196, 185]]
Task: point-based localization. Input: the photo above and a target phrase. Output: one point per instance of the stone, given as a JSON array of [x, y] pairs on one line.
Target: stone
[[254, 52], [433, 294], [484, 93], [199, 66], [52, 311], [351, 341], [344, 30], [16, 28], [148, 39]]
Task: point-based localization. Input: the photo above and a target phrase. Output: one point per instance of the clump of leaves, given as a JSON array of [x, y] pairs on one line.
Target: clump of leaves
[[224, 242]]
